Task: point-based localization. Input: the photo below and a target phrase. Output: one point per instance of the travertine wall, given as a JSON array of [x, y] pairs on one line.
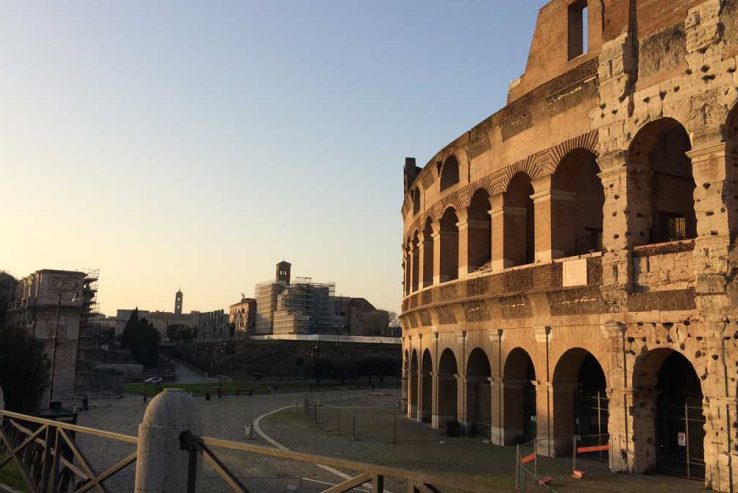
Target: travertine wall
[[654, 67]]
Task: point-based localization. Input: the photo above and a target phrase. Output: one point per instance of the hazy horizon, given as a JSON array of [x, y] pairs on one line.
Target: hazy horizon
[[195, 145]]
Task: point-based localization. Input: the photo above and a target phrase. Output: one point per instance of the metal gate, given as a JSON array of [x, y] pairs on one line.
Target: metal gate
[[529, 412], [680, 435], [592, 415]]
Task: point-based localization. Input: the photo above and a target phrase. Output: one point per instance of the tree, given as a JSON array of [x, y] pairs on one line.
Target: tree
[[24, 370], [376, 322], [144, 343], [7, 291], [129, 330], [179, 332]]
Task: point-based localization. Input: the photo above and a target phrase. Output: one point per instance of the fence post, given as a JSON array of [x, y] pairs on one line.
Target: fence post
[[161, 466], [353, 426]]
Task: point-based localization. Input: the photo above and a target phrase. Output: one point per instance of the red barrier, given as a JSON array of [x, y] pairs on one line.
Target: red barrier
[[594, 448], [528, 458]]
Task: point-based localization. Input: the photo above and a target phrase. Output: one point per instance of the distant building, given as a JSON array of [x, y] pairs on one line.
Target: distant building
[[242, 317], [38, 299], [213, 326], [307, 307], [358, 317]]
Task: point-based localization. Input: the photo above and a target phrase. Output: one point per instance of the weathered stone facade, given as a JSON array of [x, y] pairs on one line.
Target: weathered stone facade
[[579, 244]]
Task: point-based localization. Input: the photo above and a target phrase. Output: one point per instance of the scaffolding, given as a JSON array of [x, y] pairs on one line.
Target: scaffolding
[[304, 307], [266, 303]]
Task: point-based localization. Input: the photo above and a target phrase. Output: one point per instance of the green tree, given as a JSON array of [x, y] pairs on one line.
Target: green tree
[[144, 343], [129, 330], [24, 370]]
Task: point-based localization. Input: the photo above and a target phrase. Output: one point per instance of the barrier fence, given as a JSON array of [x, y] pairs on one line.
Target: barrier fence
[[53, 456], [379, 423]]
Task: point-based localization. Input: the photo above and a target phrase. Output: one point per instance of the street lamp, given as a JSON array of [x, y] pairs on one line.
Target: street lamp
[[64, 286]]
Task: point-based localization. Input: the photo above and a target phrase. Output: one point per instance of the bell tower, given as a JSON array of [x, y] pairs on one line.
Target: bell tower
[[178, 302]]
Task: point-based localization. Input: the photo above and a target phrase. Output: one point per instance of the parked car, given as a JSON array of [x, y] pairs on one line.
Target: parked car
[[154, 380]]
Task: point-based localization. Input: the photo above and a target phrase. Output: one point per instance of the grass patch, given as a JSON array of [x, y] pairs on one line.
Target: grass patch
[[11, 476]]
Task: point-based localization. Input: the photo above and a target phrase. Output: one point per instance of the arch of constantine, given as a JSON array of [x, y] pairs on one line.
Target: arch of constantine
[[570, 262]]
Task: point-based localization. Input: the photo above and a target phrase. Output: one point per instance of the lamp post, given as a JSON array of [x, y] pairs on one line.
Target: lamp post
[[64, 286]]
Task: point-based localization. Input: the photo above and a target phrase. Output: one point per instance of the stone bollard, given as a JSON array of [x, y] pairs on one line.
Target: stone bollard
[[161, 466]]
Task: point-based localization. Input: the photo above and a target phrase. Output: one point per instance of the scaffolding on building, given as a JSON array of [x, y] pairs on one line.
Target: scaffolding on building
[[304, 307]]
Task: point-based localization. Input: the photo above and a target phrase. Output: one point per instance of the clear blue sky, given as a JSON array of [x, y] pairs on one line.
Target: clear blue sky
[[196, 144]]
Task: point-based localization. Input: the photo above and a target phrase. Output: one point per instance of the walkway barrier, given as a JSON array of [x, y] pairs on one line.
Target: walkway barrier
[[359, 422], [53, 456], [594, 447], [170, 453], [526, 469]]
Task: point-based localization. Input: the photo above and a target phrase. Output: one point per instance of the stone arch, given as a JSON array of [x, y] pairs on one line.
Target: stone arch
[[412, 390], [425, 390], [668, 409], [479, 227], [663, 192], [519, 398], [478, 393], [449, 244], [519, 221], [577, 201], [580, 404], [449, 172], [415, 250], [527, 166], [447, 387], [416, 201]]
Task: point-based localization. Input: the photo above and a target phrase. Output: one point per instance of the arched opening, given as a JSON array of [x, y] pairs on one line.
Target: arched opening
[[447, 388], [426, 388], [577, 199], [731, 140], [478, 394], [664, 186], [415, 262], [519, 398], [519, 221], [674, 434], [479, 226], [449, 173], [416, 201], [412, 388], [428, 253], [580, 401], [449, 245]]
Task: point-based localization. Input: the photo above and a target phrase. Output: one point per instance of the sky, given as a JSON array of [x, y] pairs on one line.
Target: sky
[[193, 145]]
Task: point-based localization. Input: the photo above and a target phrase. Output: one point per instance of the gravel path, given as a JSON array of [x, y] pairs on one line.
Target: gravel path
[[223, 418]]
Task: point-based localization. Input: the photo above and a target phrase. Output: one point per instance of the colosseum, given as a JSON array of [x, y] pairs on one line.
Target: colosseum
[[570, 262]]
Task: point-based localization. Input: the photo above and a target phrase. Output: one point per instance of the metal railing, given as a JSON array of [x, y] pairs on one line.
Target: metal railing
[[50, 455], [374, 475]]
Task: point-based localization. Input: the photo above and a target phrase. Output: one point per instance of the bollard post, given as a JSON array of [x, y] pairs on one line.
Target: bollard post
[[161, 466], [353, 427]]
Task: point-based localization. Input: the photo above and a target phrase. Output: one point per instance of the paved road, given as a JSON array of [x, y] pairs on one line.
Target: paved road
[[185, 374], [223, 418]]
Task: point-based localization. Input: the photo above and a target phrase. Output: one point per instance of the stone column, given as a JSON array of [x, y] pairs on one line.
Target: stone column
[[435, 422], [463, 242], [496, 391], [619, 426], [425, 247], [498, 238], [412, 389], [616, 234], [544, 417], [405, 390], [161, 466], [436, 252], [555, 229]]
